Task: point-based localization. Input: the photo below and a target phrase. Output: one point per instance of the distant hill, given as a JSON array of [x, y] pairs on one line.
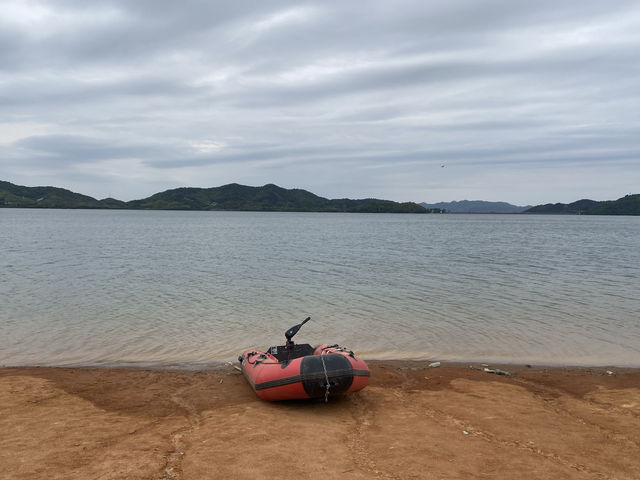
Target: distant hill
[[43, 197], [627, 205], [228, 197], [476, 206], [267, 198], [579, 206]]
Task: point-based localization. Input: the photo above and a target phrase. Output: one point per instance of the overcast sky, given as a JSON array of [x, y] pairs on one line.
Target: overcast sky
[[519, 101]]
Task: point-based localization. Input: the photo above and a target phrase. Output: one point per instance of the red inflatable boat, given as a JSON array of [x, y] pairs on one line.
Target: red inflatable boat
[[293, 371]]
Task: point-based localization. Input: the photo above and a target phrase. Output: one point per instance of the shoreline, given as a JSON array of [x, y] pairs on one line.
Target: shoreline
[[217, 365], [412, 421]]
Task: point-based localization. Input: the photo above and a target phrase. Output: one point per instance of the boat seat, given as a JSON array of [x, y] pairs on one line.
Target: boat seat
[[296, 351]]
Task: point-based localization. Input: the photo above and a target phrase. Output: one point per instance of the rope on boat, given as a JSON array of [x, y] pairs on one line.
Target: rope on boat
[[326, 379]]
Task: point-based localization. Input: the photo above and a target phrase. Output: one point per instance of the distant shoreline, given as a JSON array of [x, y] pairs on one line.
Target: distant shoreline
[[231, 197], [35, 207], [272, 198]]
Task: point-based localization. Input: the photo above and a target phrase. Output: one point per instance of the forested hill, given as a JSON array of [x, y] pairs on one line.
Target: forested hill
[[49, 197], [228, 197], [267, 198], [627, 205]]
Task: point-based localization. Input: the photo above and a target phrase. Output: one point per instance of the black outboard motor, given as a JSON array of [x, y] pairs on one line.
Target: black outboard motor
[[285, 353], [293, 330], [293, 350]]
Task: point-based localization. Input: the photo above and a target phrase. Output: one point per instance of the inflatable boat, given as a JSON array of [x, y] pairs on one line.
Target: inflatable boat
[[295, 371]]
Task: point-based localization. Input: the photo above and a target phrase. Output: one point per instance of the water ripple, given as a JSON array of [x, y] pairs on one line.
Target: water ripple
[[98, 287]]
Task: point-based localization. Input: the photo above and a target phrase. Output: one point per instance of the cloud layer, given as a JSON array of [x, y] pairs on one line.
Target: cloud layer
[[526, 102]]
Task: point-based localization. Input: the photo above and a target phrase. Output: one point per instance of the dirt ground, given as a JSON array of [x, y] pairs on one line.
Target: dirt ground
[[411, 422]]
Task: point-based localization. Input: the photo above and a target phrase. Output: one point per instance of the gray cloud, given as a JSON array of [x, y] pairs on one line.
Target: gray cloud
[[72, 149], [524, 102]]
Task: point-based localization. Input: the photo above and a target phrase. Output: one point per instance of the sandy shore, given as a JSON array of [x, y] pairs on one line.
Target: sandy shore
[[411, 422]]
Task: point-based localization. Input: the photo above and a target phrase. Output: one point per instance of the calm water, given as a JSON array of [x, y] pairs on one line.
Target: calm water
[[81, 286]]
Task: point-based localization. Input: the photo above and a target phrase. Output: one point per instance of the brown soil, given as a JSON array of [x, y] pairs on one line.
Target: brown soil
[[411, 422]]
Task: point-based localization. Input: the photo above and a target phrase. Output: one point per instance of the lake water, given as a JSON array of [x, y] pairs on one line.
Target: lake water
[[192, 288]]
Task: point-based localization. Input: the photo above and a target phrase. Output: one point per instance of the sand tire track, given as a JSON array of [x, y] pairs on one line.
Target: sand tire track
[[364, 419], [172, 469]]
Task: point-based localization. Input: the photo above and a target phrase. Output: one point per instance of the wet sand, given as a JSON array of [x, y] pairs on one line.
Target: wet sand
[[451, 422]]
